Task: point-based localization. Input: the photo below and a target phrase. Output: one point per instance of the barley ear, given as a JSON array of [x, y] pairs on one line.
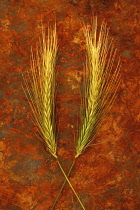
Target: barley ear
[[40, 85], [102, 78]]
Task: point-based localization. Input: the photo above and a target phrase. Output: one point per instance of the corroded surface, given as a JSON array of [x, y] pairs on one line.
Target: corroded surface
[[106, 175]]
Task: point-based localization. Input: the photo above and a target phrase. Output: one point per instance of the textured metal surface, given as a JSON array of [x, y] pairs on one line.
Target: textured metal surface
[[106, 175]]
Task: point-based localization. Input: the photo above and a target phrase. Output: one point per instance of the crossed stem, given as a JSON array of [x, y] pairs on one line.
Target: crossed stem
[[67, 180]]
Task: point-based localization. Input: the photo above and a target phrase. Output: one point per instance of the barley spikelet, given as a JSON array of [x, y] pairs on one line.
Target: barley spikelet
[[101, 83], [40, 85], [101, 80]]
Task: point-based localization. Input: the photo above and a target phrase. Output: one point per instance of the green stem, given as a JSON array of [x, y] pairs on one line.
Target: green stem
[[70, 184], [63, 185]]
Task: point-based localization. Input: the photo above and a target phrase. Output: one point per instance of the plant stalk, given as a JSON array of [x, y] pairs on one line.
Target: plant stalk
[[71, 167], [66, 179]]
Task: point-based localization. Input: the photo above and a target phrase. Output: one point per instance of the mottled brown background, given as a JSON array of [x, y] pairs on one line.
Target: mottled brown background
[[106, 176]]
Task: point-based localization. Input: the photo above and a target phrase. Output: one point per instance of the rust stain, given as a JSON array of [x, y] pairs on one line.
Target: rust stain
[[106, 176]]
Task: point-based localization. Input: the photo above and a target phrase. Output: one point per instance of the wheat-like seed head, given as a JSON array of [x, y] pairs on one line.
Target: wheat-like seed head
[[40, 85], [100, 83]]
